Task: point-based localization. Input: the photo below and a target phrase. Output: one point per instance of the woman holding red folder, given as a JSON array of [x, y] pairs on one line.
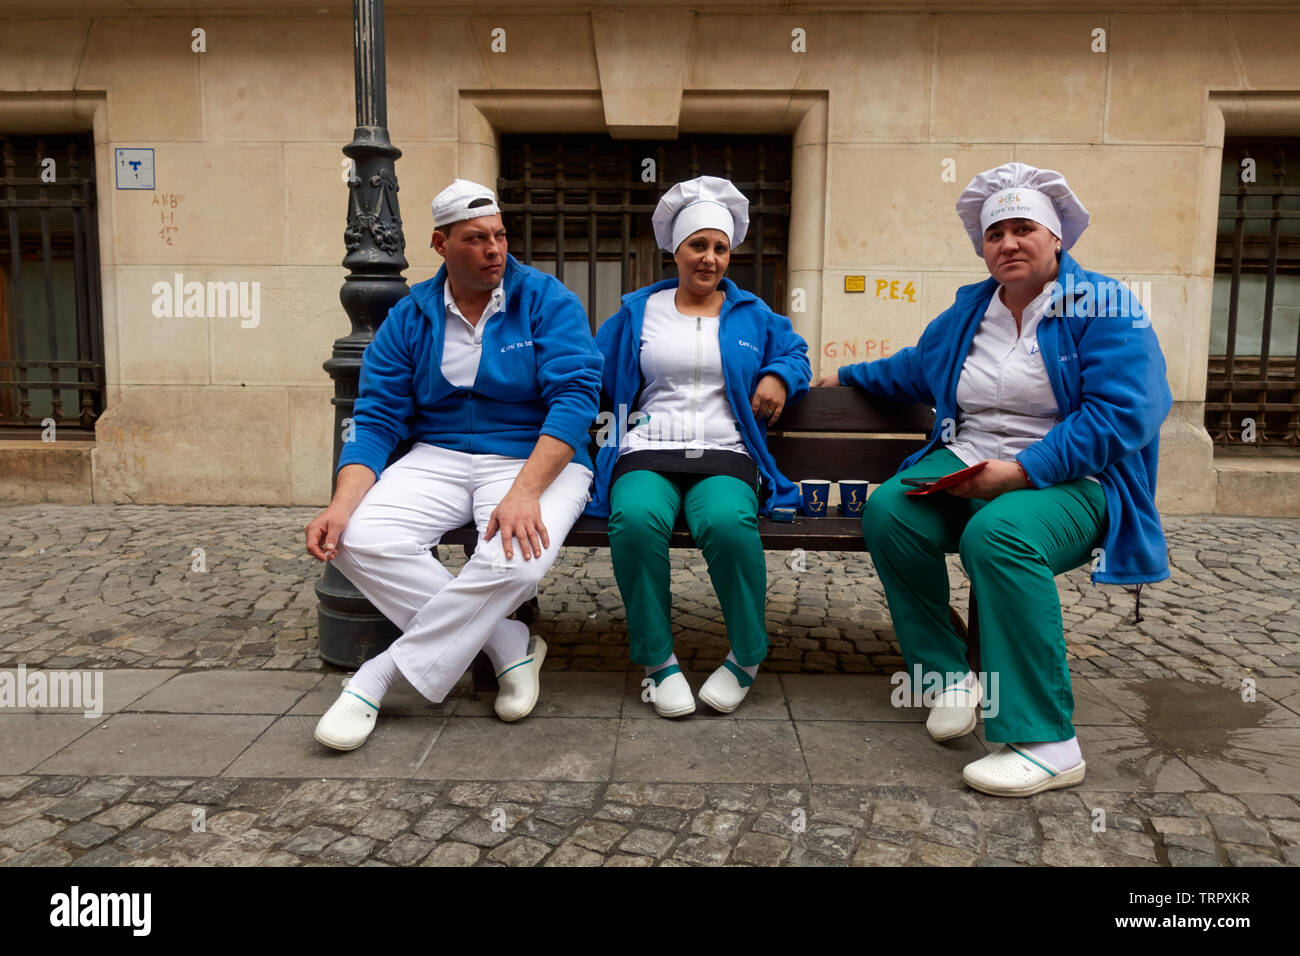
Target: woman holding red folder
[[1050, 378]]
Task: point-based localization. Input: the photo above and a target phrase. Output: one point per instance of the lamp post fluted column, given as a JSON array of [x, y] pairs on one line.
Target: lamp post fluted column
[[350, 629]]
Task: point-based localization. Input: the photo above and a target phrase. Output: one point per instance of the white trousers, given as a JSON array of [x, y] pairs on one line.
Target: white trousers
[[446, 619]]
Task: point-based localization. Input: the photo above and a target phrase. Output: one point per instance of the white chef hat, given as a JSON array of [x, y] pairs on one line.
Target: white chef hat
[[707, 202], [1018, 191], [463, 200]]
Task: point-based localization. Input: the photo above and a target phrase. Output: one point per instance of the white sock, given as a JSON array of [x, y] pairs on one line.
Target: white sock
[[651, 671], [751, 671], [507, 645], [375, 677], [1061, 754]]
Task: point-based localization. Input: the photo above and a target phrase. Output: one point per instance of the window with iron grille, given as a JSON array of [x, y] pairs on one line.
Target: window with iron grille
[[1252, 400], [51, 333], [571, 201]]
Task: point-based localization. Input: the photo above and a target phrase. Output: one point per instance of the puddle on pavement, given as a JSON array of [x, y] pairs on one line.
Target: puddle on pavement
[[1204, 719]]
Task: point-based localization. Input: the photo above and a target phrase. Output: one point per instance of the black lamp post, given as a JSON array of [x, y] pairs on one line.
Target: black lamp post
[[350, 629]]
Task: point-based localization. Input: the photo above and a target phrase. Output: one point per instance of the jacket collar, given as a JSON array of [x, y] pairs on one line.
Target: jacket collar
[[733, 292], [429, 294], [983, 291], [1068, 267]]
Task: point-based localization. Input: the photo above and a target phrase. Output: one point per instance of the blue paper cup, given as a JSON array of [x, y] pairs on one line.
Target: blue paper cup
[[853, 495], [815, 493]]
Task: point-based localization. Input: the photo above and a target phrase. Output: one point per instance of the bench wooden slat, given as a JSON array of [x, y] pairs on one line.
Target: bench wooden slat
[[851, 410], [866, 458], [811, 534]]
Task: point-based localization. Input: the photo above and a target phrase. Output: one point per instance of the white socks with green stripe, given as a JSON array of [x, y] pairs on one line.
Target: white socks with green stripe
[[507, 645], [751, 671], [375, 677], [652, 671], [1061, 754]]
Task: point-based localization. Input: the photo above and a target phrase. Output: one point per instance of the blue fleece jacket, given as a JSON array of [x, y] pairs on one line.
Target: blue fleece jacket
[[539, 374], [754, 341], [1108, 375]]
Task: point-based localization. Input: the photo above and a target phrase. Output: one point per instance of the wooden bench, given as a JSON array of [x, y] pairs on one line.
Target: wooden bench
[[834, 433]]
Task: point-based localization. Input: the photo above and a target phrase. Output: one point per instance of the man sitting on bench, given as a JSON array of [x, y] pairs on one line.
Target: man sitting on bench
[[490, 366]]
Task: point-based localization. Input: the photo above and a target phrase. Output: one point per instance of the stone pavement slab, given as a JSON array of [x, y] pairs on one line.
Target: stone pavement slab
[[554, 748], [709, 748], [28, 739], [1127, 758], [847, 697], [1284, 690], [1165, 705], [1092, 708], [157, 744], [228, 692], [1244, 761], [121, 687], [396, 748], [884, 752]]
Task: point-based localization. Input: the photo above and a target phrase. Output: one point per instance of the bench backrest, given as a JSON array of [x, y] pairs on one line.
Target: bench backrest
[[840, 433], [835, 433]]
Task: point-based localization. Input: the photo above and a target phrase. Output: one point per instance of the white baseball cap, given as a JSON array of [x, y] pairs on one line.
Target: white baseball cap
[[1019, 191], [707, 202], [463, 200]]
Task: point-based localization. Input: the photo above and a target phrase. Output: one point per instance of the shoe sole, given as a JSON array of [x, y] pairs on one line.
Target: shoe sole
[[538, 657], [1068, 778], [676, 713], [974, 718], [334, 746], [716, 706]]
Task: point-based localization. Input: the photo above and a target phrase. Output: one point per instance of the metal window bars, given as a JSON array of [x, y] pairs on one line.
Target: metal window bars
[[1253, 387], [50, 318], [579, 207]]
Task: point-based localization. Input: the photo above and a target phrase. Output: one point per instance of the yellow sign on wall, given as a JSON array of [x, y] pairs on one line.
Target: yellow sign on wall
[[855, 283]]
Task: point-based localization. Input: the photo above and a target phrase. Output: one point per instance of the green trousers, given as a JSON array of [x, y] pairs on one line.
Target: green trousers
[[722, 514], [1012, 549]]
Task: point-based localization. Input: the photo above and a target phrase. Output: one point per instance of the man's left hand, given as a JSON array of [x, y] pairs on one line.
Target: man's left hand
[[768, 399], [519, 517], [996, 478]]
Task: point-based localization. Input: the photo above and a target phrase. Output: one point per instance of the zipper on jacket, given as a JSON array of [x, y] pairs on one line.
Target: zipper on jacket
[[699, 363]]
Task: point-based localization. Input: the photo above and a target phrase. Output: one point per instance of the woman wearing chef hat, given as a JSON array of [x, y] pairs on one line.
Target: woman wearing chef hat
[[705, 367], [1051, 378]]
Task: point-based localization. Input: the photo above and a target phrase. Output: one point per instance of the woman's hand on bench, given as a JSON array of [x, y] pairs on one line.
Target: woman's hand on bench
[[828, 381]]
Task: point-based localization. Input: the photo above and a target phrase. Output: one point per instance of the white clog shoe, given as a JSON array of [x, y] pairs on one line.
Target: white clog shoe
[[724, 690], [953, 713], [1011, 772], [520, 683], [348, 722], [672, 694]]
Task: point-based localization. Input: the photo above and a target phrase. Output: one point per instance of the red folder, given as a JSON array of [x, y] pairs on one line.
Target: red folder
[[948, 481]]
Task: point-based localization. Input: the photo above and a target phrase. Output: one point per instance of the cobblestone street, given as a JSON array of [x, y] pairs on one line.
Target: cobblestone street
[[203, 620]]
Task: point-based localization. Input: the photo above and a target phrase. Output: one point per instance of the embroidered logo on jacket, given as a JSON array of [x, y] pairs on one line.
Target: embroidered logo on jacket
[[526, 344]]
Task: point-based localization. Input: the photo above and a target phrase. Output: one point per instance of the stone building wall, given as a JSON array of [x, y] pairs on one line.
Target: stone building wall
[[890, 114]]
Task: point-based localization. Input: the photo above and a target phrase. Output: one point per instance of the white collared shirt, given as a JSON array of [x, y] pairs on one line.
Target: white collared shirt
[[684, 400], [1004, 397], [462, 340]]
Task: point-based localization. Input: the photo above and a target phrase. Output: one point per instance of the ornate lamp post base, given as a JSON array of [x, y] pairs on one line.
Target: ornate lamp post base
[[350, 630]]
